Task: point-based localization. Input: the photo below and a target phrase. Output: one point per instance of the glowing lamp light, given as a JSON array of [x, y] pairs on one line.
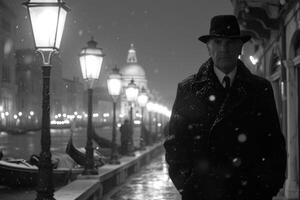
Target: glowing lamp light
[[114, 83], [132, 91], [105, 114], [31, 113], [143, 98], [91, 59], [150, 106], [47, 20]]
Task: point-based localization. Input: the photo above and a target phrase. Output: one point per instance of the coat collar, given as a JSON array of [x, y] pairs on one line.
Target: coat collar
[[238, 91], [206, 72]]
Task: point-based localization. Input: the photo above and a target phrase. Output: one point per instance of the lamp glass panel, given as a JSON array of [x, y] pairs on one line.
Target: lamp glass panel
[[90, 66], [114, 86], [132, 93], [60, 27], [142, 100], [44, 25], [150, 106]]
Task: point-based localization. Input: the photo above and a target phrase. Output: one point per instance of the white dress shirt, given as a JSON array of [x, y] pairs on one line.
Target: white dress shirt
[[221, 75]]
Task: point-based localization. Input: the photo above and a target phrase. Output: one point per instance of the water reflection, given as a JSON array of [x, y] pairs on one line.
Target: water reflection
[[24, 145]]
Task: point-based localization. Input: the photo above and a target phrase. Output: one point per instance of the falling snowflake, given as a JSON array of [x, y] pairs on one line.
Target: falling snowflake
[[80, 32], [236, 162], [259, 114], [8, 47], [227, 175], [242, 138], [132, 13], [198, 137], [244, 183], [212, 97]]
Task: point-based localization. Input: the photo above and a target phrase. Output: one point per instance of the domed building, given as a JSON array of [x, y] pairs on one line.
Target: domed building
[[132, 70]]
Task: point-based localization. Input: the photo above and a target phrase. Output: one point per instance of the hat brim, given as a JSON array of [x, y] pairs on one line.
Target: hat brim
[[205, 38]]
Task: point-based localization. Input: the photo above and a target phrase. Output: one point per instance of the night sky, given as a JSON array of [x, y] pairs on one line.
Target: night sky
[[164, 33]]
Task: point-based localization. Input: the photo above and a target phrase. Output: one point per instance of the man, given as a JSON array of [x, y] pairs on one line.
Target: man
[[224, 140], [125, 130]]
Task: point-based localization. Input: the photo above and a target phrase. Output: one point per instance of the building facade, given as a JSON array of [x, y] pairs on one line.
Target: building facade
[[8, 88], [29, 86], [274, 53], [72, 99]]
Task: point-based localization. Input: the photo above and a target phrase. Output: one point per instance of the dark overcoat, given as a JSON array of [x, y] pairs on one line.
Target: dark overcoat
[[225, 145]]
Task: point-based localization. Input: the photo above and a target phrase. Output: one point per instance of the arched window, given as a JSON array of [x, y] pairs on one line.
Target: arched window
[[275, 60]]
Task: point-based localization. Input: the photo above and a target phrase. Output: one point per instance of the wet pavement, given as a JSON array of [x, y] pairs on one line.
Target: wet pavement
[[151, 183]]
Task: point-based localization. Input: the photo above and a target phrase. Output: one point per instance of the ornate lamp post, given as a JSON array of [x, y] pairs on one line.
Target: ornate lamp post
[[142, 100], [114, 85], [150, 108], [47, 20], [132, 92], [91, 59], [156, 122]]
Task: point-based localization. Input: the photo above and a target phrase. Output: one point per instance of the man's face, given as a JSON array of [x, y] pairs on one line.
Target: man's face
[[224, 52]]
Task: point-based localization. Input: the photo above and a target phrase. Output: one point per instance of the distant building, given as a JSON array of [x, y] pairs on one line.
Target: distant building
[[275, 54], [72, 98], [102, 104], [8, 88], [30, 83], [132, 70]]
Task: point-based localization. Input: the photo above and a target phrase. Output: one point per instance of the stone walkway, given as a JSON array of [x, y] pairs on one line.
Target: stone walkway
[[151, 183]]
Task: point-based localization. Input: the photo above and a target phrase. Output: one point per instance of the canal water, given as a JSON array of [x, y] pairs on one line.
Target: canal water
[[24, 145]]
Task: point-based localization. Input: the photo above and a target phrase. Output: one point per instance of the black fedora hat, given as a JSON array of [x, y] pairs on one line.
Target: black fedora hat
[[224, 26]]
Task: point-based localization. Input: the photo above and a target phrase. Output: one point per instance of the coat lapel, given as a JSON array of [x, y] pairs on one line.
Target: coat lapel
[[236, 96]]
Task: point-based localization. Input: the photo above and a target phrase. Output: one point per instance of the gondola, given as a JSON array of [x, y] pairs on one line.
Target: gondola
[[20, 173], [79, 155], [104, 144]]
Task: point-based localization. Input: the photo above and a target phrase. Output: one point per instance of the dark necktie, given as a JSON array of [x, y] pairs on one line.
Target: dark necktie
[[226, 80]]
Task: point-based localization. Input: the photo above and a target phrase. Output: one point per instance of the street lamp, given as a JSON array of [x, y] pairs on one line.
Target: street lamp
[[142, 100], [131, 92], [47, 21], [90, 59], [150, 107], [114, 85]]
